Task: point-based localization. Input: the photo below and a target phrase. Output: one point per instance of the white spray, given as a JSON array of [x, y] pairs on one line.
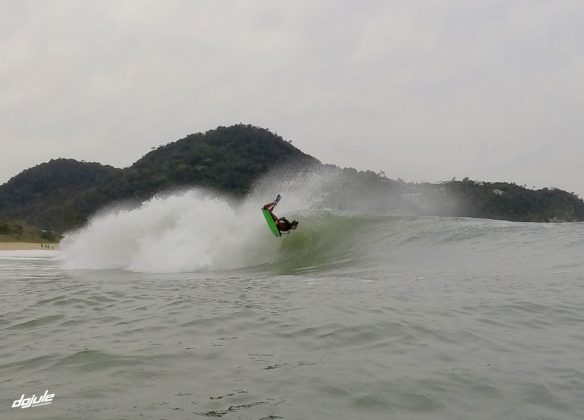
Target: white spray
[[189, 231]]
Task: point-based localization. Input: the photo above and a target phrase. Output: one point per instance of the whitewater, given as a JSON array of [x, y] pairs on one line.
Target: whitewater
[[188, 307]]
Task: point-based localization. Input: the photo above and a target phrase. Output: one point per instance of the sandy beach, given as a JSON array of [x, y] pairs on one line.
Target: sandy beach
[[25, 246]]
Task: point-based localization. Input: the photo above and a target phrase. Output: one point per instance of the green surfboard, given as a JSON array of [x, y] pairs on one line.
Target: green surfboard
[[271, 223]]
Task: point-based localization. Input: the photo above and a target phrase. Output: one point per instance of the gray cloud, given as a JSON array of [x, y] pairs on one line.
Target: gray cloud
[[424, 90]]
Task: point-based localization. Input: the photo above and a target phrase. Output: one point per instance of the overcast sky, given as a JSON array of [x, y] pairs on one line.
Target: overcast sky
[[423, 90]]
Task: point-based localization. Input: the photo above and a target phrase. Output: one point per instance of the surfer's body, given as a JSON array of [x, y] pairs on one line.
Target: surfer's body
[[282, 223]]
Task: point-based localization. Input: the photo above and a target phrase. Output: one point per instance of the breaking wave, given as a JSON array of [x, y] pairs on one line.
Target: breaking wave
[[199, 231]]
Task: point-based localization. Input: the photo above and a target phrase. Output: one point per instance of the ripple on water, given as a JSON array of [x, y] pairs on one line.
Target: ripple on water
[[30, 363], [94, 360], [37, 322], [339, 336]]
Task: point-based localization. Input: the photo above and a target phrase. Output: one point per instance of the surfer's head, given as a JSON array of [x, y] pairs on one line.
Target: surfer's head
[[294, 224]]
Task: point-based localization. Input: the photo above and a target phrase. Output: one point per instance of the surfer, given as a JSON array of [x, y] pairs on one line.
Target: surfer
[[282, 223]]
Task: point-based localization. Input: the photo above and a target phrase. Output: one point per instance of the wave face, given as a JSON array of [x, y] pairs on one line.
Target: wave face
[[199, 231]]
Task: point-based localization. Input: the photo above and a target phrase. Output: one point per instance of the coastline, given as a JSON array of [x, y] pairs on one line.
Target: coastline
[[26, 246]]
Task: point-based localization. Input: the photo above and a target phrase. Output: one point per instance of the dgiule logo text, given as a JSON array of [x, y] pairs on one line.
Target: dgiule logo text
[[34, 401]]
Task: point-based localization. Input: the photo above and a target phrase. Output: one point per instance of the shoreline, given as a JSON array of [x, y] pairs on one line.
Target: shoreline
[[27, 246]]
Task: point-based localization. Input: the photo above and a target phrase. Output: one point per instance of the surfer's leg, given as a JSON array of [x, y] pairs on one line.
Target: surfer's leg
[[269, 207]]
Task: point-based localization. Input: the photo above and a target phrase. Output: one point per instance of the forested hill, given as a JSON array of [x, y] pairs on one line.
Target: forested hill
[[228, 159], [62, 194], [507, 201], [34, 199], [50, 183]]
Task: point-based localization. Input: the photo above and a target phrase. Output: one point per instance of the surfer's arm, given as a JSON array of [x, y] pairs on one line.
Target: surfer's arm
[[269, 207]]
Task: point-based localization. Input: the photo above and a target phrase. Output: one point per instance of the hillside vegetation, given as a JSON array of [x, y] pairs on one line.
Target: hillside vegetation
[[62, 194]]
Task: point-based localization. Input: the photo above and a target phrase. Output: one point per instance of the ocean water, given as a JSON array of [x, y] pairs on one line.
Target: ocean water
[[158, 313]]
